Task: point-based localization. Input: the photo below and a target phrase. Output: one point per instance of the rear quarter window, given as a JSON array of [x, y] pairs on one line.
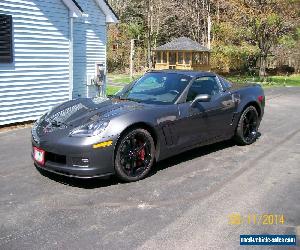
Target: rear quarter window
[[226, 84]]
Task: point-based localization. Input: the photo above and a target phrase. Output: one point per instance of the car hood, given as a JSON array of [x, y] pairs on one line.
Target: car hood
[[74, 113]]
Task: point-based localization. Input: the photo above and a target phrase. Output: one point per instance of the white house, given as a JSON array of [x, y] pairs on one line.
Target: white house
[[50, 51]]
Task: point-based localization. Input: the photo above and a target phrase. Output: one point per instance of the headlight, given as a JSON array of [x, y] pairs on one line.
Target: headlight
[[90, 129], [38, 121]]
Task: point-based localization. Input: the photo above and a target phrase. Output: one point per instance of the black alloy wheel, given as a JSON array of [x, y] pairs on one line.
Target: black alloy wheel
[[134, 155], [246, 132]]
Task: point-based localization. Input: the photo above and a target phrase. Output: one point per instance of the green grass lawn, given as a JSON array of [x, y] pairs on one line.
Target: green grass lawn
[[110, 90], [121, 78], [271, 81], [293, 80]]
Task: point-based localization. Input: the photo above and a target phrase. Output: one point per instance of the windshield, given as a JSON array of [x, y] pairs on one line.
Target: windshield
[[156, 88]]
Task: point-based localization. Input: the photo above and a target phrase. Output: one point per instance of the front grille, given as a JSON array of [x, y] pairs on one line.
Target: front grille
[[61, 159]]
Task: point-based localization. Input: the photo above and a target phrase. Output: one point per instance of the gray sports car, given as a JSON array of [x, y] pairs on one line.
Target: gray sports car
[[158, 116]]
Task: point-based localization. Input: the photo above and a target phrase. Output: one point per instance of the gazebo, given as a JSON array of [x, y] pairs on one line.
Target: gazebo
[[182, 53]]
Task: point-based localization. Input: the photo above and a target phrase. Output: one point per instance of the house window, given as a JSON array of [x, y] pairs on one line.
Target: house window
[[158, 57], [115, 47], [196, 58], [180, 57], [165, 57], [205, 58], [187, 58], [172, 58], [201, 58], [6, 55]]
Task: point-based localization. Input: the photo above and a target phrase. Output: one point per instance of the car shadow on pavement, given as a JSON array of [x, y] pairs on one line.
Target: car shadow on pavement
[[194, 153], [81, 183], [191, 154]]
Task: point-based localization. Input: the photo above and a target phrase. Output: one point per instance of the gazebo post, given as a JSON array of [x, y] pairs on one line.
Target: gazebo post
[[168, 59]]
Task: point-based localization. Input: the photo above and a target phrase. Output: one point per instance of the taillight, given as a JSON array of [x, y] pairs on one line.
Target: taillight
[[261, 98]]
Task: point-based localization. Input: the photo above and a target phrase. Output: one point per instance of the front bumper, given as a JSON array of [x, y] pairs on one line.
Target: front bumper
[[76, 157], [71, 172]]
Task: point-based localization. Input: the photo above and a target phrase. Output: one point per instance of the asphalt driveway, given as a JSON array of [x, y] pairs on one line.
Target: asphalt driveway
[[184, 204]]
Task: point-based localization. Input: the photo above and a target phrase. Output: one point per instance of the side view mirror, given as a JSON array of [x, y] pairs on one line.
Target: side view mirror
[[201, 98]]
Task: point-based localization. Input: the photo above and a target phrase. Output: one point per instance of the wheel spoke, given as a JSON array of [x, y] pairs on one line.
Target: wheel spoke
[[251, 117], [253, 126], [137, 150], [145, 162], [131, 172], [246, 132], [133, 142], [246, 119]]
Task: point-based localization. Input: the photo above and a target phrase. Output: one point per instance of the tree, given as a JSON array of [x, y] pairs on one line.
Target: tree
[[268, 22], [267, 31], [241, 32]]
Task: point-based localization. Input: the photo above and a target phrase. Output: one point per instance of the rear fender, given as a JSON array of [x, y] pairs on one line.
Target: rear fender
[[244, 103]]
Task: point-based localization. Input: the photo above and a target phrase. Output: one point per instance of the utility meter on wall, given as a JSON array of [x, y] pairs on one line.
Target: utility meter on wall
[[97, 79], [100, 74]]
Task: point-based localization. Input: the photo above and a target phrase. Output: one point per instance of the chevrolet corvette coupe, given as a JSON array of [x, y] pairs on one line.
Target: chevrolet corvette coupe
[[161, 114]]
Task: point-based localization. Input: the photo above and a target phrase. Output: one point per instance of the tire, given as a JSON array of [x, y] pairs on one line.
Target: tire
[[246, 131], [134, 155]]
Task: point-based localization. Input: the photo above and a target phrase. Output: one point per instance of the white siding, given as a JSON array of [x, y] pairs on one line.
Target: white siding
[[89, 47], [39, 76]]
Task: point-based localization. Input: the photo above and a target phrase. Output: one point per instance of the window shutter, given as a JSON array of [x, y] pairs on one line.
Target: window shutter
[[6, 51]]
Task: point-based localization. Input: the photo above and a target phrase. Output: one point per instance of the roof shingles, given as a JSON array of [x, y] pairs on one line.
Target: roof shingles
[[182, 43]]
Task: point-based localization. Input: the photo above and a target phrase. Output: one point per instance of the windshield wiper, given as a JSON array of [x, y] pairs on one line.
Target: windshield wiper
[[130, 99]]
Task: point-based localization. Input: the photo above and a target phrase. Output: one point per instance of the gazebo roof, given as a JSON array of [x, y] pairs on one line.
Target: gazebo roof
[[182, 43]]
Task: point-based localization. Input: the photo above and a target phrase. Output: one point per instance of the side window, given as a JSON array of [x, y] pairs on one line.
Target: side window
[[203, 85], [226, 83]]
